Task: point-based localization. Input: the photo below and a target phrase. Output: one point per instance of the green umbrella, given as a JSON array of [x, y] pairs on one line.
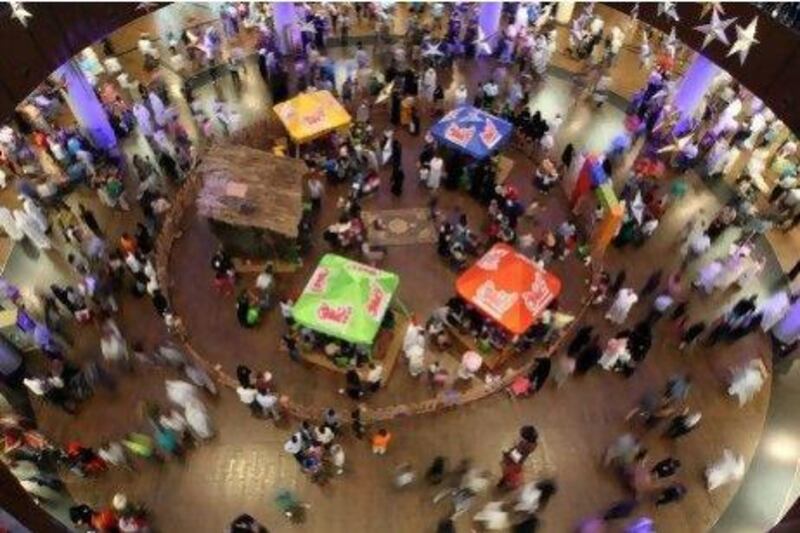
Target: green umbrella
[[346, 299]]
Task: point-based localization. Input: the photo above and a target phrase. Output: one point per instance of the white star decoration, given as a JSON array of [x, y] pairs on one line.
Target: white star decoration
[[432, 50], [745, 38], [669, 10], [146, 6], [715, 30], [385, 93], [676, 146], [307, 27], [19, 12], [482, 44]]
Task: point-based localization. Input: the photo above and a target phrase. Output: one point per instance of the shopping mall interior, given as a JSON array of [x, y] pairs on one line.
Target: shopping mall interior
[[399, 266]]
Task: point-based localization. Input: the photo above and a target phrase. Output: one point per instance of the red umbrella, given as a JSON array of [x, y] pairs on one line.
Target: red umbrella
[[508, 287]]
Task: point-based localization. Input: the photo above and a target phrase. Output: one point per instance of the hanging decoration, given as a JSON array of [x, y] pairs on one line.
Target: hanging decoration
[[669, 10], [716, 30], [307, 27], [678, 146], [745, 38], [713, 7], [19, 13], [432, 50], [482, 43]]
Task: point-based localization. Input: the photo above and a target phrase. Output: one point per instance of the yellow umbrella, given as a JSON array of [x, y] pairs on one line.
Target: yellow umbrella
[[311, 115]]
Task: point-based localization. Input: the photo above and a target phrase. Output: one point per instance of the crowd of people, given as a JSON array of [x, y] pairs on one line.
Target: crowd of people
[[408, 73]]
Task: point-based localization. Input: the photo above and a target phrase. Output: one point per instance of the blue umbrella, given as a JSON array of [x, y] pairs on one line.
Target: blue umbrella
[[472, 131]]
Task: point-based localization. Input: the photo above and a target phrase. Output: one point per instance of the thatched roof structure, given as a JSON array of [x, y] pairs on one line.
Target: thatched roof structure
[[251, 188]]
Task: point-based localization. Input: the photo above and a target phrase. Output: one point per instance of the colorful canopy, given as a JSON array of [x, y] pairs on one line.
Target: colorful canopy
[[310, 115], [508, 287], [345, 299], [472, 131]]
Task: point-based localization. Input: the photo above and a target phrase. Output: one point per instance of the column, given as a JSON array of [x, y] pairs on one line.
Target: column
[[86, 106], [287, 32], [693, 85], [489, 21], [564, 12]]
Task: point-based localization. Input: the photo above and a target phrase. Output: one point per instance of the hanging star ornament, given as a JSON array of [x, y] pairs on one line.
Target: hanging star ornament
[[307, 27], [745, 38], [19, 13], [432, 50], [677, 146], [715, 30], [713, 7], [482, 44], [669, 10]]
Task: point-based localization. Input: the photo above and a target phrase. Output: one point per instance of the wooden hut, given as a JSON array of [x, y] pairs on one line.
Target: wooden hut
[[253, 199]]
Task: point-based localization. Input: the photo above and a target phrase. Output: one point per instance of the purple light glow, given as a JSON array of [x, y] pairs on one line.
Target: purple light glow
[[86, 107], [788, 329], [489, 19], [694, 85], [284, 16]]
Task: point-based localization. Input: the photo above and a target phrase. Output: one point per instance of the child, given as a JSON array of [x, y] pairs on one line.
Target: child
[[380, 441]]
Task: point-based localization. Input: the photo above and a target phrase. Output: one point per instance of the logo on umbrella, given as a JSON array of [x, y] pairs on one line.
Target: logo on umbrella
[[494, 301], [336, 314], [375, 302], [458, 135], [538, 297], [491, 260], [319, 281], [490, 136]]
